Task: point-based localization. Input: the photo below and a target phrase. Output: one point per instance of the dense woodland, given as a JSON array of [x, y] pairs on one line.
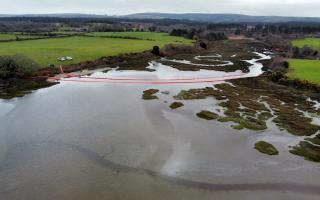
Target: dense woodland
[[185, 27]]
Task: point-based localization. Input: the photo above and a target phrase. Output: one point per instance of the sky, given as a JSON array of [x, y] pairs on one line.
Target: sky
[[308, 8]]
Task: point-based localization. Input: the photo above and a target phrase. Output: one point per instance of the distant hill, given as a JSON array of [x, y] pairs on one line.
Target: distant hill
[[63, 15], [213, 18], [222, 18]]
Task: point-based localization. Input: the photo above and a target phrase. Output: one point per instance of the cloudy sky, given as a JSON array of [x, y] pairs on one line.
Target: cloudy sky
[[309, 8]]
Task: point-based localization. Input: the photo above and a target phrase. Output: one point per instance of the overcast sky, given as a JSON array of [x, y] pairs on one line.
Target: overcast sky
[[309, 8]]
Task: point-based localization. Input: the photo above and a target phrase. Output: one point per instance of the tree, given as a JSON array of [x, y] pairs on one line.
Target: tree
[[211, 36], [315, 53], [307, 51], [286, 64], [237, 32], [203, 45], [179, 32], [295, 52]]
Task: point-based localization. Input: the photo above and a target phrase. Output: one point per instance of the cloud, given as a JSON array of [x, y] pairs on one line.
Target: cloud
[[251, 7]]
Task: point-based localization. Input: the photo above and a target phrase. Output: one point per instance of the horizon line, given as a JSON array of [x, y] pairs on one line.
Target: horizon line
[[176, 13]]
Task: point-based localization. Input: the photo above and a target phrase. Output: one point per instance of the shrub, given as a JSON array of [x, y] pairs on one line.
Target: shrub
[[16, 66], [286, 64], [156, 50], [172, 49], [203, 45]]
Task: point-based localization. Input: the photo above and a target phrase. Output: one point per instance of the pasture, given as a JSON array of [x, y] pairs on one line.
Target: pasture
[[83, 48], [143, 36], [305, 70], [6, 36], [311, 42], [13, 36]]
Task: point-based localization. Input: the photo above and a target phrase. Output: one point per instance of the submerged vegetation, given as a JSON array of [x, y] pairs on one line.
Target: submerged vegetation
[[315, 140], [246, 104], [20, 87], [255, 103], [307, 150], [248, 123]]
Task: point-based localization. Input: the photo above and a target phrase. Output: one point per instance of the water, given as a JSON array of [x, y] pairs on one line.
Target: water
[[94, 140]]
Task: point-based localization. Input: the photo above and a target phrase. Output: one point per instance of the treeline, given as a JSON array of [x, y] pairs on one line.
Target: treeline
[[304, 52], [26, 26], [184, 33], [287, 28], [199, 34], [71, 26], [268, 28], [76, 21], [226, 26]]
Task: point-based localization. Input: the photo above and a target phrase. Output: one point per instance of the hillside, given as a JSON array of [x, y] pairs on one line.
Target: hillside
[[202, 17], [221, 18]]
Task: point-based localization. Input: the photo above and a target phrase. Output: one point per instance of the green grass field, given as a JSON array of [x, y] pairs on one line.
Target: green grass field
[[46, 51], [311, 42], [305, 70], [141, 35], [13, 36], [6, 36]]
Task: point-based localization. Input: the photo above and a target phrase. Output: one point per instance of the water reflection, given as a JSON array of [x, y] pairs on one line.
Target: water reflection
[[101, 141]]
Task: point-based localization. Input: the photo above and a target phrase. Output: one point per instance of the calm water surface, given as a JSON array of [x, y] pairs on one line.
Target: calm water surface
[[102, 141]]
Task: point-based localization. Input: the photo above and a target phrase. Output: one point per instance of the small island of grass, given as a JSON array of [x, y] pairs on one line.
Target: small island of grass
[[176, 105], [150, 94], [207, 115]]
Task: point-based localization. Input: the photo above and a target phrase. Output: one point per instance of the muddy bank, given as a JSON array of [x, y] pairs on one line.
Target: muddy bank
[[12, 88], [18, 87], [227, 56]]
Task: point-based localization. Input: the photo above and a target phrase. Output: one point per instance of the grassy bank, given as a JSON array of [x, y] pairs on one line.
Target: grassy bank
[[14, 36], [311, 42], [5, 37], [305, 70], [46, 51]]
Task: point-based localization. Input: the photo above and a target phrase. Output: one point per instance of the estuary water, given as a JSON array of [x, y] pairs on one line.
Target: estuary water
[[85, 139]]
